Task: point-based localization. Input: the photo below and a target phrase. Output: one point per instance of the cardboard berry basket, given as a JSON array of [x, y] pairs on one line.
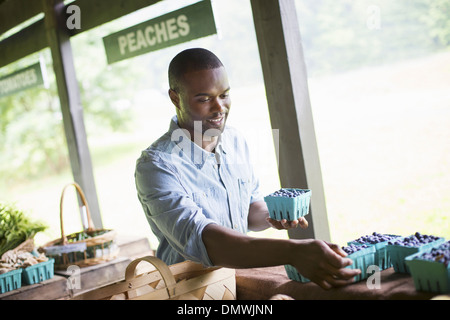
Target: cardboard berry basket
[[293, 274], [428, 275], [182, 281], [398, 253], [362, 259], [88, 247], [382, 258], [38, 272], [288, 208], [10, 280]]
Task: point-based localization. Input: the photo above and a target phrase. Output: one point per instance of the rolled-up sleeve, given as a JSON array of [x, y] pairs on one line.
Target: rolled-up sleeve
[[169, 207]]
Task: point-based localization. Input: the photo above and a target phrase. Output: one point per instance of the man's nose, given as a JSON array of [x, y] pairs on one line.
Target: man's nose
[[219, 105]]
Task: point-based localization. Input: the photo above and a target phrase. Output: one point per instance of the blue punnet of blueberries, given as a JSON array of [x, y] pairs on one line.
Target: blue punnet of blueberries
[[415, 240], [375, 238], [287, 193], [440, 254]]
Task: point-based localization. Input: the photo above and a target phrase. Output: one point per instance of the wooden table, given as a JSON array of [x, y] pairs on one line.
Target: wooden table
[[263, 283]]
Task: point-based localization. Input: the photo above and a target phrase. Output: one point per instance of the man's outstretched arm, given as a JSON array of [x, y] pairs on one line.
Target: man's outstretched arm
[[319, 261]]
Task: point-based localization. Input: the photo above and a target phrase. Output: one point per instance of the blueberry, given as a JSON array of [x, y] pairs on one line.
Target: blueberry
[[287, 193], [375, 237], [415, 240], [440, 254], [353, 248]]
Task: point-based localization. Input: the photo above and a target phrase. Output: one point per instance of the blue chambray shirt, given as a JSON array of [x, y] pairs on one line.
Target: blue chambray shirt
[[183, 188]]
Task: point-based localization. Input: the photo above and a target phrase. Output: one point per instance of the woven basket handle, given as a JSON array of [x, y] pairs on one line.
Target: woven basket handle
[[163, 269], [83, 199]]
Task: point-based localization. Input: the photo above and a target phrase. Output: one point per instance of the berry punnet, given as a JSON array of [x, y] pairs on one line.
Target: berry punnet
[[288, 203], [363, 256]]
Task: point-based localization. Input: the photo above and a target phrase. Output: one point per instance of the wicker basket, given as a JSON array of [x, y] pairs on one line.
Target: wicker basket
[[182, 281], [99, 246]]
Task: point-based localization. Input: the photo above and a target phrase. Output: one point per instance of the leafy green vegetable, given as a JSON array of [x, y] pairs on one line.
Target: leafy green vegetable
[[16, 227]]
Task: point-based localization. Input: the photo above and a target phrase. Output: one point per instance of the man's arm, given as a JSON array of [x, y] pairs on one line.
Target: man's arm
[[257, 216], [319, 261]]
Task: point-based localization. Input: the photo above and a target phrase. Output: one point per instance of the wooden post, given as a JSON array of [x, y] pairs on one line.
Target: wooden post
[[284, 70], [69, 96]]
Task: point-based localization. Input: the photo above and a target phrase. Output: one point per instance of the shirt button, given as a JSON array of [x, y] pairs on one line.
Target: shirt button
[[215, 166], [235, 226]]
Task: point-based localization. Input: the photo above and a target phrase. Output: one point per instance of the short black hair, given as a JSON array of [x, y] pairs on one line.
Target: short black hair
[[193, 59]]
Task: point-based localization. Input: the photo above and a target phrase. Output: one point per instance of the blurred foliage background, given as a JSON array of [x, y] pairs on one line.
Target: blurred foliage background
[[338, 37], [334, 36]]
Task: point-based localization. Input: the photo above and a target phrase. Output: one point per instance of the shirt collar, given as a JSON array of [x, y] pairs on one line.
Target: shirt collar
[[185, 145]]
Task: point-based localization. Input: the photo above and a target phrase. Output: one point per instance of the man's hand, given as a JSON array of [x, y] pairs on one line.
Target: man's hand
[[284, 224], [324, 264], [258, 219], [321, 262]]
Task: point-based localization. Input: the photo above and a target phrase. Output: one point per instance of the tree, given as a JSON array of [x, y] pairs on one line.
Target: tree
[[32, 138], [337, 36]]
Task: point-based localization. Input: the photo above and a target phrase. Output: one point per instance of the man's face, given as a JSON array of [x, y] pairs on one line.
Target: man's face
[[203, 97]]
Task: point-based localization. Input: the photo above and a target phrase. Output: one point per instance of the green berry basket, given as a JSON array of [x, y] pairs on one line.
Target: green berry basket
[[382, 258], [10, 280], [293, 274], [38, 272], [289, 208], [428, 275], [362, 259], [398, 253]]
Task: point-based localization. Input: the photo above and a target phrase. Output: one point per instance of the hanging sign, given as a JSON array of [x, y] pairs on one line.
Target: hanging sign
[[188, 23], [21, 80]]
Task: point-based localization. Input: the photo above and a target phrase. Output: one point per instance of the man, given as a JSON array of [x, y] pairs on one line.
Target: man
[[199, 192]]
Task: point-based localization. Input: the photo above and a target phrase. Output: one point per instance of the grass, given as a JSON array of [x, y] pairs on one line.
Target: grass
[[383, 138]]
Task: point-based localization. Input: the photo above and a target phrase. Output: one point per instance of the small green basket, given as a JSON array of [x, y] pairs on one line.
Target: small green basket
[[293, 274], [10, 280], [362, 259], [289, 208], [398, 254], [429, 275], [38, 272], [382, 258]]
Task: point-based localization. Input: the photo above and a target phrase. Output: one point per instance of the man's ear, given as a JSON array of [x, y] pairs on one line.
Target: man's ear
[[174, 97]]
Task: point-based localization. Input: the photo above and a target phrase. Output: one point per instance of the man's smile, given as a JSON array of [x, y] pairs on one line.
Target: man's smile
[[216, 120]]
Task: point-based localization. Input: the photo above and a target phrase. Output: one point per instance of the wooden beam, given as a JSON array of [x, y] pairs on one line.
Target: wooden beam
[[98, 12], [69, 96], [23, 43], [15, 12], [285, 78], [33, 38]]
